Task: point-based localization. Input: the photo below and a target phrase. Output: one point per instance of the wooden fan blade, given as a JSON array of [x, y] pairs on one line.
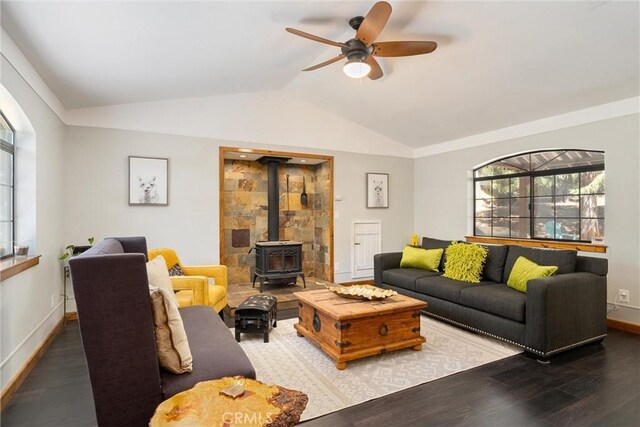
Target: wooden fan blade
[[374, 22], [325, 63], [314, 38], [376, 71], [406, 48]]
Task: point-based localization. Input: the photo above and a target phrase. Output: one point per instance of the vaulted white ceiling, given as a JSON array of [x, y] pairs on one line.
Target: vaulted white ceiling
[[498, 64]]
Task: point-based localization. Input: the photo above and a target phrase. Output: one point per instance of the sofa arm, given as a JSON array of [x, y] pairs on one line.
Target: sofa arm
[[218, 272], [198, 284], [383, 262], [565, 310]]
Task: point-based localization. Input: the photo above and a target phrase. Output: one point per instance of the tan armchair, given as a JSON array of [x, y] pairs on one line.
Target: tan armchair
[[194, 288]]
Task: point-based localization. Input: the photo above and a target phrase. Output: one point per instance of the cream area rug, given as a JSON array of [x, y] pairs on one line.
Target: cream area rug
[[294, 362]]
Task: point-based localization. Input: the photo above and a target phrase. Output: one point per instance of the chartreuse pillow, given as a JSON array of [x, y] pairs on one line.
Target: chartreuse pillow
[[524, 270], [426, 259], [464, 262]]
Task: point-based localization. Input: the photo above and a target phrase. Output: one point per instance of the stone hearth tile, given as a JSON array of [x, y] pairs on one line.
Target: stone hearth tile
[[247, 185], [240, 238]]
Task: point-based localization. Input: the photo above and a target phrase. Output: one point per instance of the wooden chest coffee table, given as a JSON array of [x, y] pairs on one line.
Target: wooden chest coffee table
[[348, 329]]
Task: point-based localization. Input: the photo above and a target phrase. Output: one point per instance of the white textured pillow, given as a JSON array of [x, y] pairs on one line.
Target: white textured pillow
[[174, 353], [158, 276]]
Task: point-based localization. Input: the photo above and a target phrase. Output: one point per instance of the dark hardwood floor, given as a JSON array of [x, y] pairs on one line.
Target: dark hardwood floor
[[597, 385]]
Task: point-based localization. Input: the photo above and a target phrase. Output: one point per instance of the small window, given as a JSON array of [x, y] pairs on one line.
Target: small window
[[555, 195], [7, 153]]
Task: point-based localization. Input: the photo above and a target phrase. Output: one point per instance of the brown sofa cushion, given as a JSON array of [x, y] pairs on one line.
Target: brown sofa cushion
[[171, 339]]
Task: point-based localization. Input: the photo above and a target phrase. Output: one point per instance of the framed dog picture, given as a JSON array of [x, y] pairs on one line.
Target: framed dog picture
[[148, 181], [377, 190]]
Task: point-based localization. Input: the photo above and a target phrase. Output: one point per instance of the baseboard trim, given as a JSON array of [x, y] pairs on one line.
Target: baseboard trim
[[18, 379], [623, 326], [71, 315]]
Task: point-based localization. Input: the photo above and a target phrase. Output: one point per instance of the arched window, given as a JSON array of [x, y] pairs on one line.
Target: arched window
[[556, 195], [7, 152]]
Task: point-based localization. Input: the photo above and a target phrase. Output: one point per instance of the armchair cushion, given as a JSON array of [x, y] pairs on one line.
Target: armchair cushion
[[176, 270]]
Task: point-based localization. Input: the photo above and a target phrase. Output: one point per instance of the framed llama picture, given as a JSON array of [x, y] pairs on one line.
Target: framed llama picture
[[377, 190], [148, 181]]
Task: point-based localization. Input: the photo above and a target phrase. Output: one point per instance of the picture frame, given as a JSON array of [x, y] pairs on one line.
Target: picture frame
[[148, 181], [377, 190]]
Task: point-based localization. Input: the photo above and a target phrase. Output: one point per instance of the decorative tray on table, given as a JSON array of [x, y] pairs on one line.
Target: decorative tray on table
[[362, 292]]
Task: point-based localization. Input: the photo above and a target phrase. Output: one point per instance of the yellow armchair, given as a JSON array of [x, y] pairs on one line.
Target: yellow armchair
[[194, 288]]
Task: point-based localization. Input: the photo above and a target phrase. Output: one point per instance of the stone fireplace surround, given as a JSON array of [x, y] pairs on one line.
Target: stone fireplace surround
[[244, 215]]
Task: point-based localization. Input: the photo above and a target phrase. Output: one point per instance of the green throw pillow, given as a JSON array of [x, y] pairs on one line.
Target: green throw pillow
[[464, 262], [524, 270], [426, 259]]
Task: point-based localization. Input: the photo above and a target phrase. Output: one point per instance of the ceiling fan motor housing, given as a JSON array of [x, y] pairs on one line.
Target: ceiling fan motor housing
[[355, 49]]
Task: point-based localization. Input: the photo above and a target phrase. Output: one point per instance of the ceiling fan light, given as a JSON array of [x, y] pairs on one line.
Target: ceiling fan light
[[356, 68]]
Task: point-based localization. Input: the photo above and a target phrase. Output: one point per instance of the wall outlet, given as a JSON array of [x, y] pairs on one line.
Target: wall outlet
[[336, 215], [623, 295], [336, 266], [54, 300]]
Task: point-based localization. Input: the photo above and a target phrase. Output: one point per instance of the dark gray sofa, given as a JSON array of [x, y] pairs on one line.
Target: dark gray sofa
[[557, 313], [116, 325]]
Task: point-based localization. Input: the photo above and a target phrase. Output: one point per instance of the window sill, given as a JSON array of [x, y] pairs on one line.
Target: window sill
[[17, 264], [578, 246]]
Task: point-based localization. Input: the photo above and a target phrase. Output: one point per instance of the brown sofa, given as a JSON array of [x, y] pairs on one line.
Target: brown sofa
[[116, 325]]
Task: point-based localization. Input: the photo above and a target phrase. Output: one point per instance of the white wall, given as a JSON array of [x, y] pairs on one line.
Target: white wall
[[443, 193], [98, 200], [26, 312]]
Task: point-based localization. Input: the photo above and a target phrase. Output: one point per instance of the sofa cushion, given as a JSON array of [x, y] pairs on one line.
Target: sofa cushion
[[429, 243], [105, 247], [444, 288], [171, 339], [216, 353], [405, 277], [426, 259], [494, 265], [524, 270], [465, 262], [496, 299], [565, 259]]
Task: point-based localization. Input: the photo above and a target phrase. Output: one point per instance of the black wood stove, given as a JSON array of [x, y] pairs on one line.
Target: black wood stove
[[277, 261]]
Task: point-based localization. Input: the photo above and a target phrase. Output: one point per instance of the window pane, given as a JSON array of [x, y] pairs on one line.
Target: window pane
[[6, 133], [545, 228], [6, 203], [569, 229], [6, 238], [6, 168], [501, 227], [483, 227], [592, 206], [483, 208], [496, 169], [540, 160], [501, 187], [520, 207], [483, 190], [501, 208], [567, 207], [520, 186], [543, 186], [592, 182], [543, 206], [520, 227], [567, 184], [591, 228]]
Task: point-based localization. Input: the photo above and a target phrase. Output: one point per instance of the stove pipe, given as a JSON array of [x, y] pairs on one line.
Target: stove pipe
[[273, 195]]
